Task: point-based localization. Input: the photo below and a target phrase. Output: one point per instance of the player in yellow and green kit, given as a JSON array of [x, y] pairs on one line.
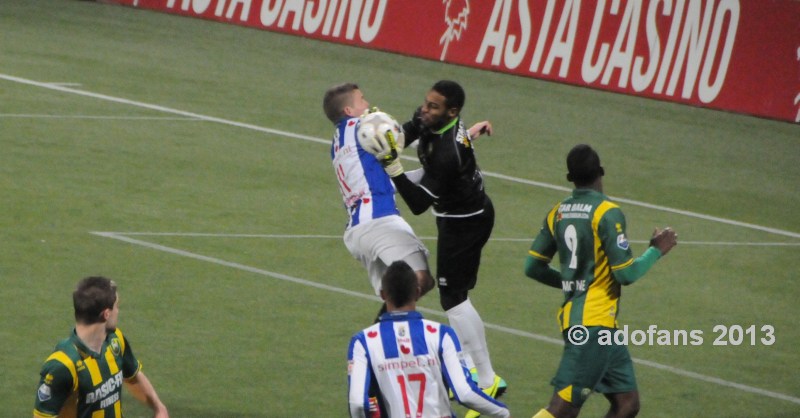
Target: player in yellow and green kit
[[83, 376], [587, 231]]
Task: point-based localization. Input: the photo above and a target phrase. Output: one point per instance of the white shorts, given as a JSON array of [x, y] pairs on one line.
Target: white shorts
[[380, 242]]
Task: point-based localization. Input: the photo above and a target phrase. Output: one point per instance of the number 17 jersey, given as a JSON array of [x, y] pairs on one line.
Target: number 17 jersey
[[414, 361]]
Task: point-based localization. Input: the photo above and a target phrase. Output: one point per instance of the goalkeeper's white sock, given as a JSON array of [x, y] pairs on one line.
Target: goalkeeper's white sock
[[469, 327]]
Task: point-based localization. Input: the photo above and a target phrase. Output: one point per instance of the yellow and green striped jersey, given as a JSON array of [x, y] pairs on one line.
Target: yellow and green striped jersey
[[588, 233], [77, 382]]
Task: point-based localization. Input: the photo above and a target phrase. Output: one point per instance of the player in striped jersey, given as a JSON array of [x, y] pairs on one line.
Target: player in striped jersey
[[83, 377], [414, 361], [587, 231], [375, 233]]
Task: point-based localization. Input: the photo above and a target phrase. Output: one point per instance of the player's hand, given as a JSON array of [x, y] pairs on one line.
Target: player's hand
[[391, 165], [391, 161], [479, 129], [664, 240], [372, 109]]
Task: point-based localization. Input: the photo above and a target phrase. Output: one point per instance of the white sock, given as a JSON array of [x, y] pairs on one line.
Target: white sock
[[471, 332]]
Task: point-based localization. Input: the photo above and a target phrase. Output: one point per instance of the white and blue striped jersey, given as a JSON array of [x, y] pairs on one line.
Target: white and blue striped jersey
[[367, 191], [414, 361]]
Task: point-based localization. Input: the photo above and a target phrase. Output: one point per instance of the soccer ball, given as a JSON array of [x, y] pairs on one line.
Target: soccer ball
[[380, 135]]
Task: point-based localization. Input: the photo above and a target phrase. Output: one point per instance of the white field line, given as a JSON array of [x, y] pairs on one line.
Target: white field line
[[163, 109], [674, 370], [312, 236], [65, 84], [48, 116], [64, 89]]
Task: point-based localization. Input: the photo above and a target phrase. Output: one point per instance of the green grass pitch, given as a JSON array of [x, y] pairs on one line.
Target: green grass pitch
[[187, 160]]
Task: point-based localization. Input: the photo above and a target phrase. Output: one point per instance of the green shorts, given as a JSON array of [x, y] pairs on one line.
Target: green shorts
[[593, 367]]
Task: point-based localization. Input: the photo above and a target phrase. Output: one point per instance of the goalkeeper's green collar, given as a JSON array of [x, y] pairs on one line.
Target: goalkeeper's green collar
[[447, 127]]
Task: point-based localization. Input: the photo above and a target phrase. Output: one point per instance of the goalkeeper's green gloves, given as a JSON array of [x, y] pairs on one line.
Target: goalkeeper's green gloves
[[391, 162], [392, 167]]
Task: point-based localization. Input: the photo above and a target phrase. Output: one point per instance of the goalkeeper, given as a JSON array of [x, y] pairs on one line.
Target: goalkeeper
[[451, 184], [375, 233]]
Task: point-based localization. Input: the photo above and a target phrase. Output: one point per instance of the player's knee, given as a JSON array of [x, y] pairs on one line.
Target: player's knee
[[560, 408], [450, 298], [625, 405], [626, 411], [630, 409]]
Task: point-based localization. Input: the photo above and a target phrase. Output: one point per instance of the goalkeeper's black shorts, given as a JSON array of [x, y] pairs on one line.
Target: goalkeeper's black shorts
[[459, 247]]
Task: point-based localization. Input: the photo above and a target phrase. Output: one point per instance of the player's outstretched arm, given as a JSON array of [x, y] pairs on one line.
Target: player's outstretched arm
[[416, 197], [480, 128], [143, 390]]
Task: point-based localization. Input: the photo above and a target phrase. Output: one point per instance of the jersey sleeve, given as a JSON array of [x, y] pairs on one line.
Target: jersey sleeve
[[457, 378], [611, 231], [130, 364], [543, 246], [416, 196], [57, 383], [358, 376]]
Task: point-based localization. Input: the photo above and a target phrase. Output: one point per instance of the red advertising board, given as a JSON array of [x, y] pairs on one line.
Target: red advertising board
[[736, 55]]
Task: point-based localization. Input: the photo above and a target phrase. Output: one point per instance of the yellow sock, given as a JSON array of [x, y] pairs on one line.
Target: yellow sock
[[543, 414]]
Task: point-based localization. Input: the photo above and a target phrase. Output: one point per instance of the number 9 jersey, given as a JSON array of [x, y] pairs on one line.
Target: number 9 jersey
[[588, 232]]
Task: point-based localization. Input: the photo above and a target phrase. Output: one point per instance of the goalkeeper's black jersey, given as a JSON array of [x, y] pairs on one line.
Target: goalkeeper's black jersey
[[452, 175]]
